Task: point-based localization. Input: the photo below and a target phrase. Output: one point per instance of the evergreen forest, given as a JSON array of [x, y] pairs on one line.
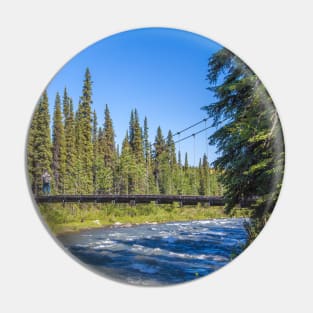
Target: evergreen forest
[[82, 157]]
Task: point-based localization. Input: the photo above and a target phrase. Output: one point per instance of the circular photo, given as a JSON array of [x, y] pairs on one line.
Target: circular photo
[[155, 156]]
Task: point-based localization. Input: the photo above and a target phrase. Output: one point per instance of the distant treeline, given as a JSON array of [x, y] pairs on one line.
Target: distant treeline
[[83, 158]]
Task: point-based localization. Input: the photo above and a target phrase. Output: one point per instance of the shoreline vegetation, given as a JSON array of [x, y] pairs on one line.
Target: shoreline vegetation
[[77, 217]]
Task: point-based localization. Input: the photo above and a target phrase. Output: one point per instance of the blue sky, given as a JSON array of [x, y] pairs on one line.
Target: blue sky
[[159, 71]]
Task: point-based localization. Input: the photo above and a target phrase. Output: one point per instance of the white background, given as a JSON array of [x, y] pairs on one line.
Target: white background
[[274, 38]]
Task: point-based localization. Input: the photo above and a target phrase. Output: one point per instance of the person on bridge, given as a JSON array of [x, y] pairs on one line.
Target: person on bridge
[[46, 178]]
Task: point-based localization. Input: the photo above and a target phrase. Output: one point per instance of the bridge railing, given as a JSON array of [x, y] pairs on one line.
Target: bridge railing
[[133, 199]]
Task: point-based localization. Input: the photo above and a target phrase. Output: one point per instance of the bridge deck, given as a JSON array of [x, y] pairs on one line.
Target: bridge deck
[[133, 199]]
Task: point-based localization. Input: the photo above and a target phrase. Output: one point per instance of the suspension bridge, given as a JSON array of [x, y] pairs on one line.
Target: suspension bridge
[[133, 199], [145, 198]]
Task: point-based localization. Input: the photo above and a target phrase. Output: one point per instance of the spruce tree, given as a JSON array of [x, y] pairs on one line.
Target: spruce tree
[[59, 146], [106, 165], [201, 181], [78, 153], [100, 144], [186, 165], [171, 149], [131, 128], [100, 184], [70, 148], [84, 137], [127, 165], [179, 159], [136, 138], [160, 158], [204, 177], [41, 156], [95, 143], [147, 157], [179, 175], [138, 184], [117, 171], [146, 143], [109, 141], [104, 178], [66, 105], [31, 151], [185, 175], [170, 166]]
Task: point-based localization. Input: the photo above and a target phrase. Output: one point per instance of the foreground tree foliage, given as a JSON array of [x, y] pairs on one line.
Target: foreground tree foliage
[[83, 157], [248, 137]]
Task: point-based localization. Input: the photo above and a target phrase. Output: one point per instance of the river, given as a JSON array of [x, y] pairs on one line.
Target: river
[[159, 254]]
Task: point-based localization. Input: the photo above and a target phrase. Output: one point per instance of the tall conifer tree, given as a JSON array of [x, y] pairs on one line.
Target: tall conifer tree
[[136, 143], [70, 148], [204, 177], [58, 152], [106, 166], [66, 105], [136, 138], [159, 159], [42, 142], [149, 180], [127, 166], [170, 166], [31, 151], [95, 143], [84, 137], [186, 165], [131, 128], [146, 143], [109, 141]]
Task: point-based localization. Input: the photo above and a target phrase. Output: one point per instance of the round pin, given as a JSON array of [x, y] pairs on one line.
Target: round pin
[[155, 156]]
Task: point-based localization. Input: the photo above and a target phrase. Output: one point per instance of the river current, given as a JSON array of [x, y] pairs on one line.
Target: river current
[[159, 254]]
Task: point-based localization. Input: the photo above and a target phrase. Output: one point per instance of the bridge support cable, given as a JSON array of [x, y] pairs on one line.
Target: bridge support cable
[[194, 150], [196, 133], [206, 139], [191, 126], [194, 161], [181, 164], [208, 182]]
